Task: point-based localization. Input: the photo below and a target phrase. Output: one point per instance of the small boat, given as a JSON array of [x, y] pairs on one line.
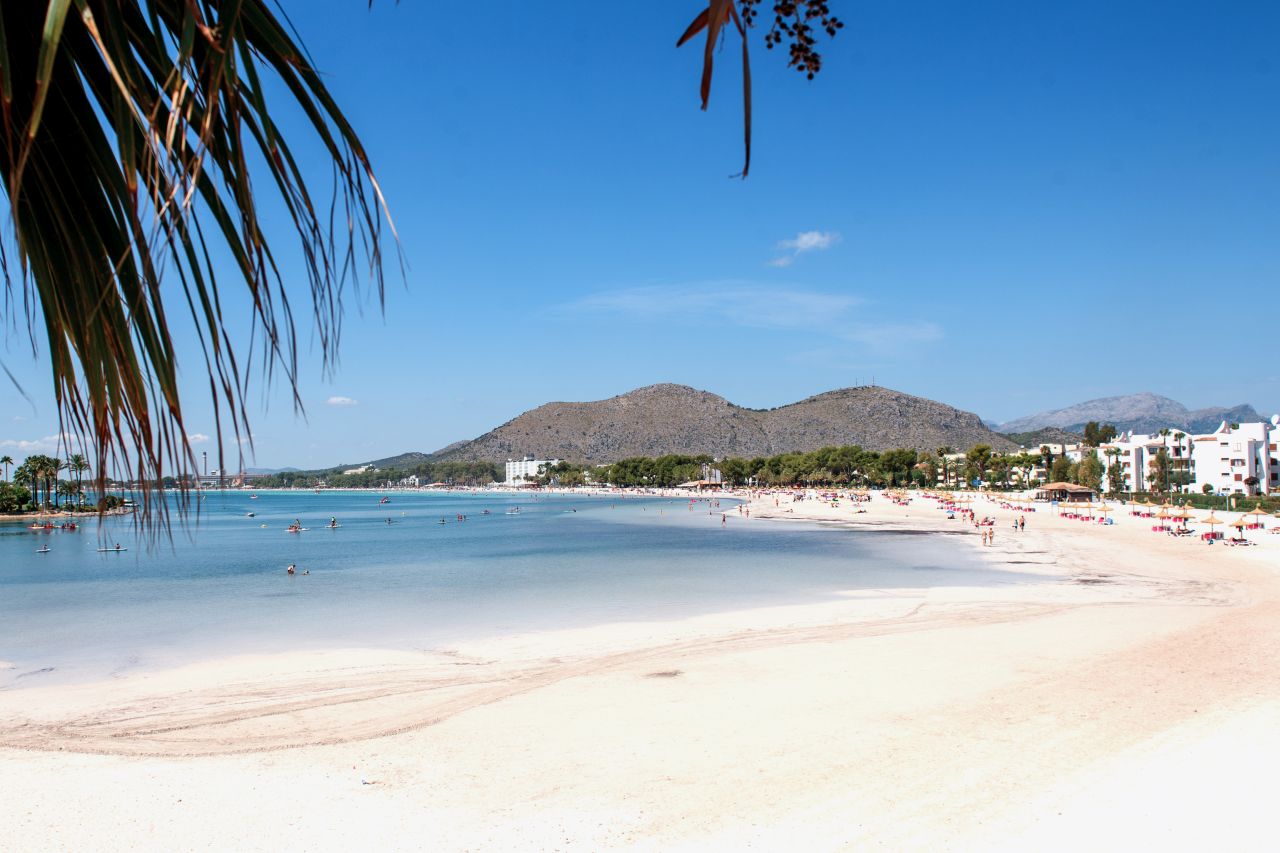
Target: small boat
[[515, 511], [253, 497], [385, 501], [250, 515], [115, 550], [485, 512], [44, 550], [293, 528]]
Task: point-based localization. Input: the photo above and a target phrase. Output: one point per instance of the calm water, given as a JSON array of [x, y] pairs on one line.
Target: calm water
[[563, 561]]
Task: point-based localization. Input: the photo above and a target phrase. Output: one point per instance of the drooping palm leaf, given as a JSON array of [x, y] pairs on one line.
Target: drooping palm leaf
[[793, 19], [132, 135]]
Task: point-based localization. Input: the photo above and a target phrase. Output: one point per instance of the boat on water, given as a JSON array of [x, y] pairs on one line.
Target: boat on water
[[385, 501], [250, 514], [514, 511], [115, 550], [253, 497], [484, 512], [44, 550]]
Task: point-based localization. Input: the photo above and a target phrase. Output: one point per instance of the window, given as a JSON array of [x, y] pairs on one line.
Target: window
[[1239, 477]]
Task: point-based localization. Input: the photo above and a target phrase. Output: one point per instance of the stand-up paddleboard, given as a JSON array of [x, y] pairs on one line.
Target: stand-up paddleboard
[[44, 550], [111, 550]]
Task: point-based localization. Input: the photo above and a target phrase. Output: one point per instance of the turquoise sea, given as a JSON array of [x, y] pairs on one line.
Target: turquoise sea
[[220, 586]]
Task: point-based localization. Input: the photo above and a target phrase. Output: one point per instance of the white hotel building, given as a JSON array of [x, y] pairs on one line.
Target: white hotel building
[[1233, 458], [520, 471]]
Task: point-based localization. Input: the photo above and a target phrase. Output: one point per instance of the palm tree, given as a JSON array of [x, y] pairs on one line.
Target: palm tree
[[6, 461], [78, 465], [137, 164], [944, 451]]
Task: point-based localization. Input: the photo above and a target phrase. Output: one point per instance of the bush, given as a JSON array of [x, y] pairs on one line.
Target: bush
[[13, 498]]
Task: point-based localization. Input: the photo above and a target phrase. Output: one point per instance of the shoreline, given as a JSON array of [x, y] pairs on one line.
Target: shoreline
[[1019, 689]]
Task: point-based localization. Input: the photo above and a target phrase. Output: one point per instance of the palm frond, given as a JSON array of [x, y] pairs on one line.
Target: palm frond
[[131, 134]]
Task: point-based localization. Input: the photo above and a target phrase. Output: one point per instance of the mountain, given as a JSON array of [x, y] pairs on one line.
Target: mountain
[[661, 419], [1142, 413], [1045, 435]]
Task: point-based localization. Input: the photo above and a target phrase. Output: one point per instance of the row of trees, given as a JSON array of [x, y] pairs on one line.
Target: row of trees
[[452, 473], [37, 483], [849, 465]]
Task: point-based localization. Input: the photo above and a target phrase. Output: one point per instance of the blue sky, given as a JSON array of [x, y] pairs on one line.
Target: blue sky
[[1004, 206]]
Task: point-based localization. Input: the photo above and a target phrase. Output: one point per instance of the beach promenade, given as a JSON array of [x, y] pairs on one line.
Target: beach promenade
[[1132, 701]]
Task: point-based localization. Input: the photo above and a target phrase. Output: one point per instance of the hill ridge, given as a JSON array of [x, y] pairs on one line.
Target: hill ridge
[[1141, 412], [671, 418]]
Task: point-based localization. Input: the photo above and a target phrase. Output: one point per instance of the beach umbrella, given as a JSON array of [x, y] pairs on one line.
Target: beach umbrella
[[1258, 512], [1163, 513], [1212, 521]]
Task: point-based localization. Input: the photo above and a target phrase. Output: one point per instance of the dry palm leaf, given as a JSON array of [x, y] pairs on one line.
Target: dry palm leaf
[[792, 19]]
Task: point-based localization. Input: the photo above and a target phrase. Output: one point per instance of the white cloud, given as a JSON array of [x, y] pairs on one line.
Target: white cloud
[[805, 241], [735, 303], [47, 444], [338, 400], [810, 319], [197, 438]]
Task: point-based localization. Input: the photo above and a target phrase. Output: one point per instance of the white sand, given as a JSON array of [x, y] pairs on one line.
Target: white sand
[[1129, 710]]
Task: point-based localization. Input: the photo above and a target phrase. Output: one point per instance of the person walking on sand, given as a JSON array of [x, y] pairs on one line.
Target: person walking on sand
[[991, 535]]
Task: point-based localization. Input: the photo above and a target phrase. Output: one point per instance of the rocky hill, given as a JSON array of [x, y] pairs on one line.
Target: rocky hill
[[1142, 413], [662, 419]]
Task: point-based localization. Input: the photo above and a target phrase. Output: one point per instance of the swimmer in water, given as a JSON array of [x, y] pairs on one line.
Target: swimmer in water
[[291, 568]]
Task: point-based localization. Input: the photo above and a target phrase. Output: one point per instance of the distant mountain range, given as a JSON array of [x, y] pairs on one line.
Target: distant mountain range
[[1045, 435], [660, 419], [1141, 413]]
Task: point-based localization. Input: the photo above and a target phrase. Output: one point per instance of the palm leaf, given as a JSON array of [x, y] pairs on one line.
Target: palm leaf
[[132, 132], [712, 19]]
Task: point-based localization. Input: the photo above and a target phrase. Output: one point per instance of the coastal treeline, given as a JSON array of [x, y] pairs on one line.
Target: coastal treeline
[[449, 473], [38, 483], [849, 465]]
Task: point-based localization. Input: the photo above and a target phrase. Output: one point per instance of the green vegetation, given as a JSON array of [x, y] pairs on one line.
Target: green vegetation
[[849, 465], [451, 473]]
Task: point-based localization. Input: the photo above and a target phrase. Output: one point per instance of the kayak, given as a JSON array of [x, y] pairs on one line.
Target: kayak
[[111, 550]]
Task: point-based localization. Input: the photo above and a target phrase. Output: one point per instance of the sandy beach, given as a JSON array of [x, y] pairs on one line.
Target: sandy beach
[[1134, 701]]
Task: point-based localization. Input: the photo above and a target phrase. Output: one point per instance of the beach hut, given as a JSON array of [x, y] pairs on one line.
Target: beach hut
[[1065, 492]]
